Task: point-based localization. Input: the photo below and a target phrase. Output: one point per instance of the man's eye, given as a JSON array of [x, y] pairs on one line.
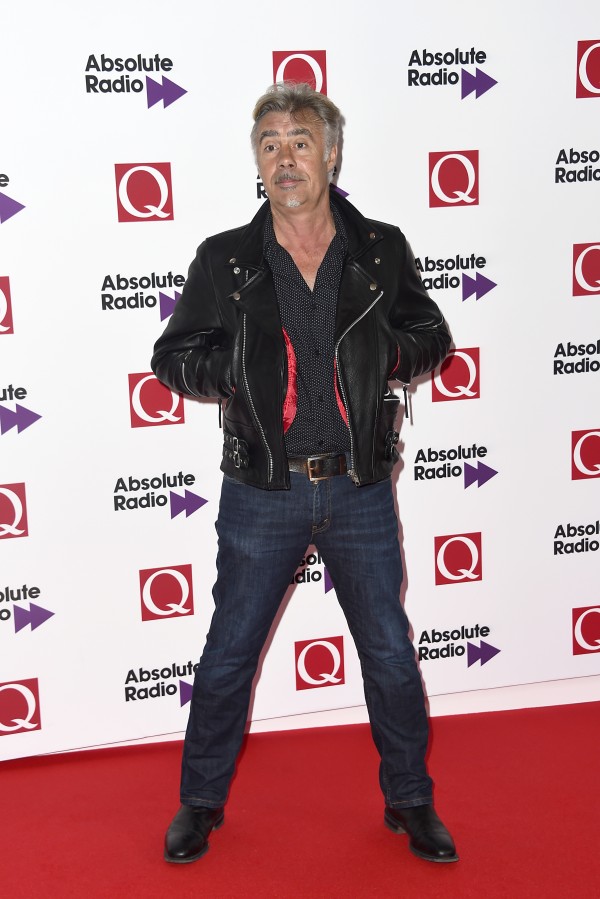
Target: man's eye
[[268, 148], [301, 144]]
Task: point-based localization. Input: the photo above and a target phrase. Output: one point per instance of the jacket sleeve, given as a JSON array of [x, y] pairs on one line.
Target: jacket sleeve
[[193, 355], [418, 325]]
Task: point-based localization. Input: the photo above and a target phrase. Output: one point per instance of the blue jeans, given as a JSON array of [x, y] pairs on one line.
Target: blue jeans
[[263, 535]]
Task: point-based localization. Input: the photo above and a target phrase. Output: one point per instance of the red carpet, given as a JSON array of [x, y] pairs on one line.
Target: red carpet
[[520, 792]]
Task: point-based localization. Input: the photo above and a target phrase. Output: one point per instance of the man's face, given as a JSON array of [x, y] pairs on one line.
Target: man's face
[[291, 160]]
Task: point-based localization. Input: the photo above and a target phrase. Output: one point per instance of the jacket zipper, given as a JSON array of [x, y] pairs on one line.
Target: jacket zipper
[[351, 472], [251, 401], [183, 361]]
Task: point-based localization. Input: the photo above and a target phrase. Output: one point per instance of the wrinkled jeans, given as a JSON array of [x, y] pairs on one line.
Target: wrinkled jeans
[[263, 535]]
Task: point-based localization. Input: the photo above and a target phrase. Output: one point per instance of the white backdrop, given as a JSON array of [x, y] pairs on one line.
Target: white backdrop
[[105, 592]]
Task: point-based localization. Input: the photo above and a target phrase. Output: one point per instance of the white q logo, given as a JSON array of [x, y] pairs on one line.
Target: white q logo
[[463, 574], [162, 414], [459, 195], [583, 75], [312, 62], [3, 309], [152, 210], [324, 678], [21, 723], [579, 276], [17, 505], [591, 647], [460, 390], [172, 608], [579, 464]]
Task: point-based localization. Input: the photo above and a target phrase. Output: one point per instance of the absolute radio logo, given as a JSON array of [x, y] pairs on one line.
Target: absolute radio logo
[[6, 314], [20, 417], [13, 511], [19, 707], [458, 377], [458, 559], [32, 617], [571, 539], [121, 293], [319, 663], [585, 455], [586, 269], [152, 404], [439, 273], [166, 592], [588, 69], [575, 165], [8, 206], [126, 75], [144, 192], [451, 462], [308, 66], [586, 630], [454, 178], [133, 493], [311, 570], [577, 358], [449, 644], [428, 68], [159, 683]]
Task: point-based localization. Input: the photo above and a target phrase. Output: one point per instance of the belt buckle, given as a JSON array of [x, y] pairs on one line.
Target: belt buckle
[[311, 464], [236, 452]]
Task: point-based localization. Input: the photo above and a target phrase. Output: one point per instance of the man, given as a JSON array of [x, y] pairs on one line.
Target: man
[[296, 322]]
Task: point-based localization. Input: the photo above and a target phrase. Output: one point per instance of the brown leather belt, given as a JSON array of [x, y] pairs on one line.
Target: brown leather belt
[[319, 468]]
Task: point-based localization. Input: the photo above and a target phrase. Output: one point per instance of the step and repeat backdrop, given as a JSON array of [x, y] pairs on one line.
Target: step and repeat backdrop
[[124, 144]]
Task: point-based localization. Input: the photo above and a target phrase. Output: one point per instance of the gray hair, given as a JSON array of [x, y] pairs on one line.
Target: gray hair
[[297, 100]]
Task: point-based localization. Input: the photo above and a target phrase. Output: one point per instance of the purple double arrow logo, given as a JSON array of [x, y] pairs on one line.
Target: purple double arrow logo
[[8, 208], [479, 285], [482, 653], [478, 474], [188, 503], [20, 419], [479, 83], [167, 91], [167, 304], [34, 615]]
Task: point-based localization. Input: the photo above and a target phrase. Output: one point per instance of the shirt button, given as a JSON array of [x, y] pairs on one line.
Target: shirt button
[[316, 353], [236, 270], [373, 286], [313, 306], [235, 296]]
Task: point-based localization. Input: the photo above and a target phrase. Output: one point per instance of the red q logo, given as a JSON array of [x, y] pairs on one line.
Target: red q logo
[[457, 378], [586, 630], [151, 403], [585, 461], [458, 559], [588, 69], [319, 663], [454, 178], [586, 269], [6, 321], [19, 707], [144, 192], [13, 511], [166, 592], [301, 66]]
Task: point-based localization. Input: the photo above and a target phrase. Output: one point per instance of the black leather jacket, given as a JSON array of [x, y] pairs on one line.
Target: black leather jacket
[[225, 340]]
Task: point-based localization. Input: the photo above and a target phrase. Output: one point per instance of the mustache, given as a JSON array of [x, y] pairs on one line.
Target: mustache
[[287, 176]]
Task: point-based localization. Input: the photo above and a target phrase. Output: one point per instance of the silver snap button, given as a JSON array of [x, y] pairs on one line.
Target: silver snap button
[[236, 270]]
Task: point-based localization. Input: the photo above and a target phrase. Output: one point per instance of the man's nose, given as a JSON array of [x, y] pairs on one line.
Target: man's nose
[[286, 157]]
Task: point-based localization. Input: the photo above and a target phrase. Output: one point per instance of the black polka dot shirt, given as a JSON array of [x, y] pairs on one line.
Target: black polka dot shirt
[[308, 318]]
